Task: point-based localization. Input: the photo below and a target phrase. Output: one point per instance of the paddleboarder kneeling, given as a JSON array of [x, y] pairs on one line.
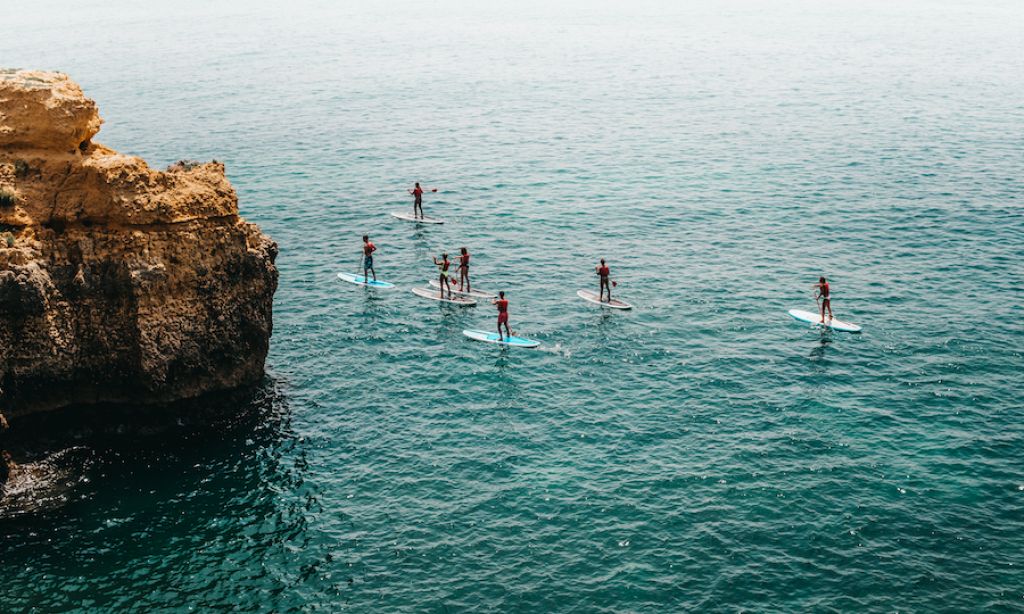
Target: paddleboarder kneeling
[[443, 281], [825, 297], [464, 270], [603, 272], [368, 249], [502, 304]]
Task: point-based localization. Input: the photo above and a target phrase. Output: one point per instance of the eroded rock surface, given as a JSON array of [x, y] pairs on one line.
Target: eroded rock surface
[[118, 283]]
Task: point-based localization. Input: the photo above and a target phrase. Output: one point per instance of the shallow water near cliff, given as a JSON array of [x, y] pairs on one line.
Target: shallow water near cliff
[[703, 451]]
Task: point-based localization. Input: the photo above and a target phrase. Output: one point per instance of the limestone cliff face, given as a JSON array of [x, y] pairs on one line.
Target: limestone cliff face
[[118, 283]]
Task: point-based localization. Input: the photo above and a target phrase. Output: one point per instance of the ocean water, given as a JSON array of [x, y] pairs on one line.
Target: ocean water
[[703, 452]]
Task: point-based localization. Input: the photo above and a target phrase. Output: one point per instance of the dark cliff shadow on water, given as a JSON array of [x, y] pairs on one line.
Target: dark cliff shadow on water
[[224, 480], [85, 453]]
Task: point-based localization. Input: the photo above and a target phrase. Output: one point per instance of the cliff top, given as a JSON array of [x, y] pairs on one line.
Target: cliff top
[[44, 110], [51, 173]]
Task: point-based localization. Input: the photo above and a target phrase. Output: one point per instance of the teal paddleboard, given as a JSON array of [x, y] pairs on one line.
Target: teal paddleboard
[[359, 280], [489, 337]]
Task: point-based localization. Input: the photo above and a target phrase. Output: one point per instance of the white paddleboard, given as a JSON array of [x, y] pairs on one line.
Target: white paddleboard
[[359, 280], [491, 337], [455, 285], [426, 219], [436, 296], [815, 318], [594, 297]]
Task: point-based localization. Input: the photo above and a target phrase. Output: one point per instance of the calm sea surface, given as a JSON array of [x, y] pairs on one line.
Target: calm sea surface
[[702, 452]]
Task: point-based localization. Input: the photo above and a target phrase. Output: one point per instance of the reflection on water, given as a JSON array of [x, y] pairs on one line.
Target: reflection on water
[[40, 486], [818, 351]]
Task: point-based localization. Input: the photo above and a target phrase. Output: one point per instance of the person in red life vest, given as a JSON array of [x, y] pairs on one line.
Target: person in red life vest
[[444, 282], [464, 270], [368, 249], [603, 272], [825, 297], [417, 202], [502, 304]]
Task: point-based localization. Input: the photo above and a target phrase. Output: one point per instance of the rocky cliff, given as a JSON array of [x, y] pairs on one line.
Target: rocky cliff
[[118, 283]]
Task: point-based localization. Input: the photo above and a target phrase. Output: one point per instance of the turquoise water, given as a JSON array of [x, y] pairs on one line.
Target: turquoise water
[[702, 452]]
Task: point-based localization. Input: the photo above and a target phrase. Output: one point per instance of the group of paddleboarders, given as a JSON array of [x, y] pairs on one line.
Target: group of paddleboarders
[[605, 283], [444, 278], [444, 282]]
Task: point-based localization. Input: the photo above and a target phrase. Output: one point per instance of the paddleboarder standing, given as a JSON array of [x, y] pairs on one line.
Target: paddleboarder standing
[[502, 304], [824, 296], [368, 249], [417, 201], [464, 270], [603, 273], [444, 281]]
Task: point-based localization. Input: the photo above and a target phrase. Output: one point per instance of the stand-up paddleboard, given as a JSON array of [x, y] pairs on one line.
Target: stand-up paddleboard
[[474, 293], [436, 296], [815, 319], [359, 280], [426, 219], [594, 297], [486, 337]]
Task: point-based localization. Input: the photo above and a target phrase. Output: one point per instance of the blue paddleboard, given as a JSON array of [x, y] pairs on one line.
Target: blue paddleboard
[[359, 280], [488, 337]]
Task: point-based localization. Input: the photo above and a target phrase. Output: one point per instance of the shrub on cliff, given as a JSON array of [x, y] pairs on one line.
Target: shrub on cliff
[[8, 197], [184, 165]]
